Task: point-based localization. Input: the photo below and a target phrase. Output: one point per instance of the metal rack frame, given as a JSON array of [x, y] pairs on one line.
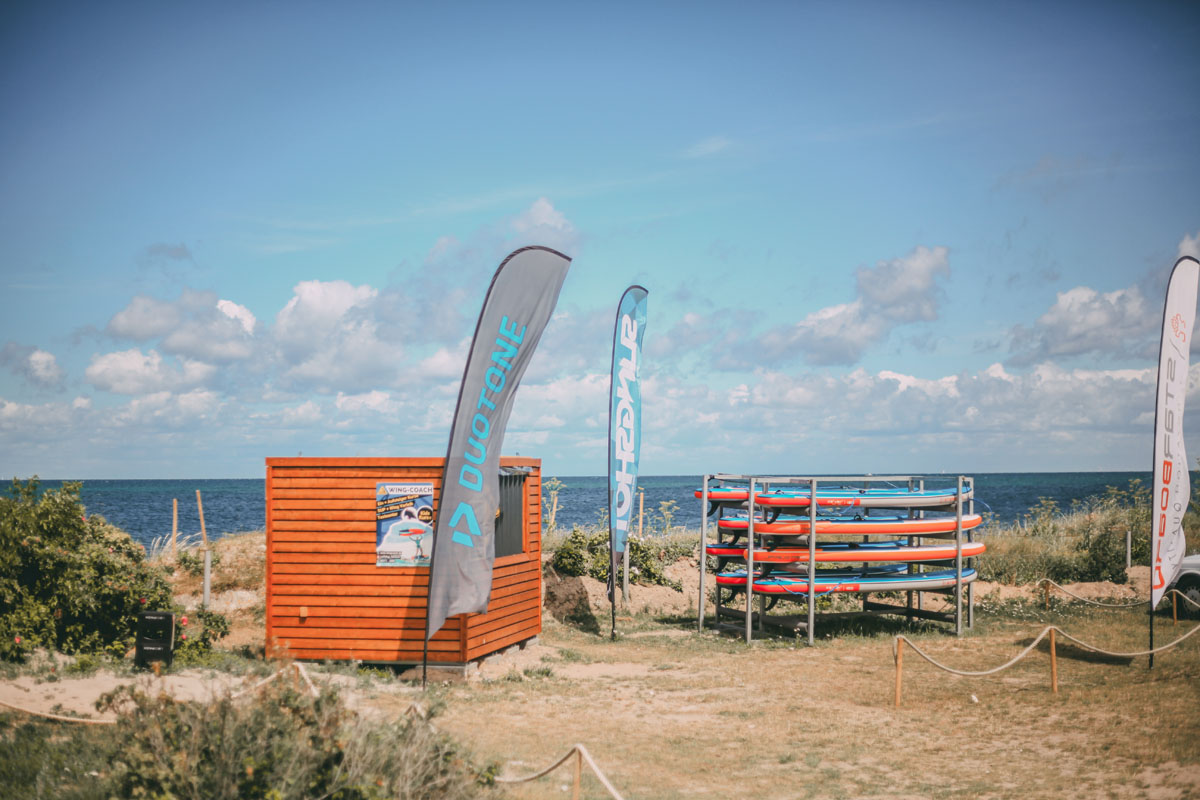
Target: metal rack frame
[[758, 484]]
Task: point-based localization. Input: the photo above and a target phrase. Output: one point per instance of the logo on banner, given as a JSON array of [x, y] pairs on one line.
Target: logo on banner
[[625, 444]]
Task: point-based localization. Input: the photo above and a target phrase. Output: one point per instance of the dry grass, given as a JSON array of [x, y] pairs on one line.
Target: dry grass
[[238, 584], [670, 713]]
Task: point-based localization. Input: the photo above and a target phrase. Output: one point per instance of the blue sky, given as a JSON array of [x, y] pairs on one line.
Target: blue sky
[[877, 237]]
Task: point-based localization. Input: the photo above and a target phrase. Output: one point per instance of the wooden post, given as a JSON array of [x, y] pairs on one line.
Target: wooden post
[[174, 526], [200, 508], [1046, 592], [1053, 664], [207, 556], [899, 667], [578, 772], [1174, 608]]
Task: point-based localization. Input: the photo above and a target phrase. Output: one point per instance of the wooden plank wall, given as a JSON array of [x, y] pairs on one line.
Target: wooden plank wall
[[326, 599]]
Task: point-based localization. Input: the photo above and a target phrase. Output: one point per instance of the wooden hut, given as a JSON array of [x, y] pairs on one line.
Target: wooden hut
[[328, 599]]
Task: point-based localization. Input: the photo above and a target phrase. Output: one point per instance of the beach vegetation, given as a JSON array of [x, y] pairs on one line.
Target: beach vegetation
[[191, 561], [278, 742], [69, 582], [552, 487], [1084, 543], [586, 552]]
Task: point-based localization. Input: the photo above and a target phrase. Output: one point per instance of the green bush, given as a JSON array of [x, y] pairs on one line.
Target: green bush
[[196, 633], [279, 743], [69, 582], [1086, 543], [583, 554], [192, 561]]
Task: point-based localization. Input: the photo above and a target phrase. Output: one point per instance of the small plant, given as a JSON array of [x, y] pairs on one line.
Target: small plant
[[666, 510], [196, 633], [192, 561], [552, 487]]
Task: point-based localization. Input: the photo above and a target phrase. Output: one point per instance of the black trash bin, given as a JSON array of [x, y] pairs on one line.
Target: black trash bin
[[155, 638]]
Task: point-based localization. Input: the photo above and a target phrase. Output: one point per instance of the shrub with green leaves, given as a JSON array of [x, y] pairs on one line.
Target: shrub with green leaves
[[196, 633], [279, 743], [584, 554], [69, 582], [1086, 543]]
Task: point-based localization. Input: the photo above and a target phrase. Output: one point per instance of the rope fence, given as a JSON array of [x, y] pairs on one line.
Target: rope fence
[[1050, 630], [296, 666], [59, 717], [1175, 594], [581, 755]]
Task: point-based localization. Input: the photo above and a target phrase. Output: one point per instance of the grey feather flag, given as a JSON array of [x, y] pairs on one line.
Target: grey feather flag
[[518, 305]]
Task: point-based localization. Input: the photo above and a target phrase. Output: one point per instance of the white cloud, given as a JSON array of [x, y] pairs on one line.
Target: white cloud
[[1083, 321], [144, 318], [1190, 246], [707, 147], [37, 366], [196, 325], [374, 401], [307, 413], [134, 372], [164, 409], [445, 363], [239, 313], [905, 289], [543, 224], [328, 337], [316, 309], [895, 292]]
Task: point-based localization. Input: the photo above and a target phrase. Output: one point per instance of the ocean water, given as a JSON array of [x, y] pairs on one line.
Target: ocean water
[[143, 507]]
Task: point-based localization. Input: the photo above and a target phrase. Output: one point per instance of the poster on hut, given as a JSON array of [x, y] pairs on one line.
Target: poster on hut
[[403, 524]]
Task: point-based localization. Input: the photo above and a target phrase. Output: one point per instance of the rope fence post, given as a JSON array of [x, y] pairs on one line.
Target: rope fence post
[[1046, 593], [578, 773], [1053, 664], [1174, 610], [207, 555], [899, 666]]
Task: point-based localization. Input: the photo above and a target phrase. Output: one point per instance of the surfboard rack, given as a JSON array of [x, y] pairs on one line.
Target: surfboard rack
[[911, 510]]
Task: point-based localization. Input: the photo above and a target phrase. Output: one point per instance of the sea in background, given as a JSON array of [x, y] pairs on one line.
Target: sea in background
[[143, 507]]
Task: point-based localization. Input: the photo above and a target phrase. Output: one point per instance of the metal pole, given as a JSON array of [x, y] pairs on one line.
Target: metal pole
[[625, 563], [921, 514], [751, 496], [971, 562], [812, 558], [207, 575], [958, 531], [703, 552]]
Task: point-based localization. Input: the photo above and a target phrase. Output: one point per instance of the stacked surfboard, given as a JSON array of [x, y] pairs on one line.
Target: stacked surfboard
[[851, 538]]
